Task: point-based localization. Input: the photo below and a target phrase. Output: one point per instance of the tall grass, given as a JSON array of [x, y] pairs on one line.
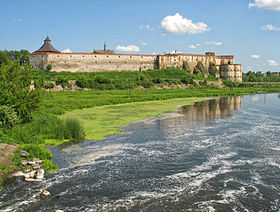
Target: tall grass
[[46, 126]]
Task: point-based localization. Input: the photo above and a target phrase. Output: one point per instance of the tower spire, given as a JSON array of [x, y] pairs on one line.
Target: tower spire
[[105, 45]]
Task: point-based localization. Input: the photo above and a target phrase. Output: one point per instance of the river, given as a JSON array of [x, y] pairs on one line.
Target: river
[[216, 155]]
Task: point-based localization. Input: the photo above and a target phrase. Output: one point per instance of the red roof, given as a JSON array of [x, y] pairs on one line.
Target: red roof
[[47, 46]]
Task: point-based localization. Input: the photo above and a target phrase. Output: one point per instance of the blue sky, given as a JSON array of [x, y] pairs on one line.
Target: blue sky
[[248, 29]]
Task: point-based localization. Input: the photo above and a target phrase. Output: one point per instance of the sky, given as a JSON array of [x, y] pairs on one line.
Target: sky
[[247, 29]]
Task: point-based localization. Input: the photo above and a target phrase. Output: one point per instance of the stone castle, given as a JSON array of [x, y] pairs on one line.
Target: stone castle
[[107, 60]]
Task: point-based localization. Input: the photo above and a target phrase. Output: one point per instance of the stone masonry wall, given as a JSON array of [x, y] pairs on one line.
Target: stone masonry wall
[[88, 62], [79, 62]]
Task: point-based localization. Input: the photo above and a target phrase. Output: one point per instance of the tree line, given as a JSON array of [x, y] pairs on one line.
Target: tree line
[[22, 56], [261, 77]]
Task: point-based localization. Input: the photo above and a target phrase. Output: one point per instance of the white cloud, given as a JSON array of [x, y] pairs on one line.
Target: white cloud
[[272, 63], [215, 43], [255, 56], [66, 51], [266, 4], [177, 24], [198, 44], [270, 27], [146, 27], [143, 43], [192, 46], [129, 48]]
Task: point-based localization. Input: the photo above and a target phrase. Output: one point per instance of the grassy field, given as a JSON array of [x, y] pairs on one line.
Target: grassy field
[[60, 102], [109, 110], [104, 120]]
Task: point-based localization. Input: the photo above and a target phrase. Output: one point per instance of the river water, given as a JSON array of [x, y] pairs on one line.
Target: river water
[[216, 155]]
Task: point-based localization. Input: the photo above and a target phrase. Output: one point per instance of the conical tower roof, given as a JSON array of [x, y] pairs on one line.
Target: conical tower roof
[[47, 46]]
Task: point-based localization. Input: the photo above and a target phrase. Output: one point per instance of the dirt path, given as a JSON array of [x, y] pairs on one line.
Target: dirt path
[[6, 153]]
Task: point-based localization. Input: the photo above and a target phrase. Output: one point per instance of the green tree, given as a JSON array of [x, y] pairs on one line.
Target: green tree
[[19, 90], [4, 58]]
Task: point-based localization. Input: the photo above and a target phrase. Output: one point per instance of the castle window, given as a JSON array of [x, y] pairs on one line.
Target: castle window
[[42, 56], [107, 55], [141, 56], [119, 56], [57, 55], [83, 55], [95, 56], [130, 56], [228, 62]]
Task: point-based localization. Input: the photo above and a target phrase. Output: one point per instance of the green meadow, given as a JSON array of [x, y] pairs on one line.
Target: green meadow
[[101, 121]]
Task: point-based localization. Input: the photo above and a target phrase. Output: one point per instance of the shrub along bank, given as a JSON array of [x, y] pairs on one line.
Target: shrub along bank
[[21, 121]]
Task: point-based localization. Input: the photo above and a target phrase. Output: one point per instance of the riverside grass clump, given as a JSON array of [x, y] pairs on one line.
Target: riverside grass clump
[[34, 135], [47, 126]]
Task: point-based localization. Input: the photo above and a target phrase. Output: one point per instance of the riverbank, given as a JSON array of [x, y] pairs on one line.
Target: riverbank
[[103, 112]]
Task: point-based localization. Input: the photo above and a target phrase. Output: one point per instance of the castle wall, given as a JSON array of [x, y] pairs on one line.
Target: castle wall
[[88, 62], [176, 60], [232, 72], [79, 62], [38, 61]]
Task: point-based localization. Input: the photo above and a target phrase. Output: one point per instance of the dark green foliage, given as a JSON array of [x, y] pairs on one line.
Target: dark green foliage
[[123, 80], [4, 58], [22, 56], [261, 77], [36, 151], [15, 92], [8, 117], [48, 85], [203, 83], [230, 84], [49, 67], [47, 126], [186, 79], [64, 82], [74, 129], [49, 166]]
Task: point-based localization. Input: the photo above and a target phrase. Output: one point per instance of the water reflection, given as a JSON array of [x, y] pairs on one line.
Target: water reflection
[[220, 107]]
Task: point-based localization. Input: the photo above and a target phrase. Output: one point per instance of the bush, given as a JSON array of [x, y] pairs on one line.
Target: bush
[[186, 79], [203, 83], [63, 82], [15, 91], [8, 117], [47, 126], [73, 129], [37, 152], [48, 85], [49, 67]]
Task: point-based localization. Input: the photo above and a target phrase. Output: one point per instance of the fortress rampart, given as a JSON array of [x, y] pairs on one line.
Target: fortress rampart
[[100, 62]]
